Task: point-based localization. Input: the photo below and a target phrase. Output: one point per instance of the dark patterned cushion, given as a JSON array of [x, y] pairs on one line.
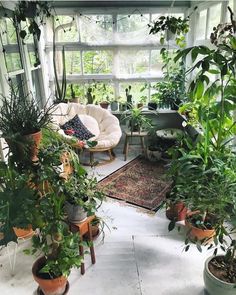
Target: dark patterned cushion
[[80, 131]]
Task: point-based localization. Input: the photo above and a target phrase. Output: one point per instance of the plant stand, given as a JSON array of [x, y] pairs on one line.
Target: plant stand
[[129, 135], [85, 228], [12, 251]]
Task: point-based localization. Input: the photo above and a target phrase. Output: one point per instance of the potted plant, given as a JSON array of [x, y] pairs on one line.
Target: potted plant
[[136, 119], [128, 97], [54, 241], [73, 98], [16, 196], [21, 121], [82, 196], [209, 167], [171, 27]]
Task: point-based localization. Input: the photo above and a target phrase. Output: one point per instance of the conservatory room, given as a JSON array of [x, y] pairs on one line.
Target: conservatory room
[[118, 147]]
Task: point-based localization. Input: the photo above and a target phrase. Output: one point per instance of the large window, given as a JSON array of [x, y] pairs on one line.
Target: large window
[[113, 48]]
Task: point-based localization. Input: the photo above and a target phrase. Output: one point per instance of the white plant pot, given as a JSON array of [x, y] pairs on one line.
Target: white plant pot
[[170, 36], [215, 286], [75, 213]]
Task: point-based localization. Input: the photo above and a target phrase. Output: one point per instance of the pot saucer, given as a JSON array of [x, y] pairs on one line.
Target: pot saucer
[[40, 292]]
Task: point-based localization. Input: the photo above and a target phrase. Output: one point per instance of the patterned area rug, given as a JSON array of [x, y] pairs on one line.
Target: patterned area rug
[[139, 182]]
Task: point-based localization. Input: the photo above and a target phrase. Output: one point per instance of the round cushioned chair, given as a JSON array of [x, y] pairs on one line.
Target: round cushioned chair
[[100, 122]]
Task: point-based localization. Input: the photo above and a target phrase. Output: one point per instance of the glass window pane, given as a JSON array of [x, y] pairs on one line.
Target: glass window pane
[[8, 31], [133, 23], [214, 18], [97, 62], [201, 27], [138, 91], [13, 62], [133, 29], [66, 29], [73, 63], [133, 62], [96, 29], [79, 90], [156, 63], [9, 42]]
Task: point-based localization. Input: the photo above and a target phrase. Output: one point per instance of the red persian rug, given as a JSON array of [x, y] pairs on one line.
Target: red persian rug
[[139, 182]]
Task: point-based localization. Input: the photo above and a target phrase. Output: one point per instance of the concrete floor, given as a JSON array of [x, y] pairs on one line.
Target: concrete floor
[[137, 257]]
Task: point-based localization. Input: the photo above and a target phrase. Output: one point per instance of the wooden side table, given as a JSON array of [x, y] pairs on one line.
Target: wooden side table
[[83, 228], [128, 135]]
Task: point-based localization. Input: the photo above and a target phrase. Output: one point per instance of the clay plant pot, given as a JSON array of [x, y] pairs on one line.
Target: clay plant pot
[[35, 138], [176, 211], [24, 232], [215, 286], [104, 104], [47, 285], [198, 234]]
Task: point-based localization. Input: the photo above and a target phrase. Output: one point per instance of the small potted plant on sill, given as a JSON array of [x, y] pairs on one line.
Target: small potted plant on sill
[[21, 121], [128, 97], [73, 98]]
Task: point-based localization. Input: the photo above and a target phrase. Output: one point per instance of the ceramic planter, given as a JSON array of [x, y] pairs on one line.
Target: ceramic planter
[[153, 156], [152, 105], [48, 286], [176, 211], [215, 286], [75, 213], [114, 106]]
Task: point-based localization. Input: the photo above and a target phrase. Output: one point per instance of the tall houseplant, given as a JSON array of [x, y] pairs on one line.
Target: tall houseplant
[[21, 121], [209, 169]]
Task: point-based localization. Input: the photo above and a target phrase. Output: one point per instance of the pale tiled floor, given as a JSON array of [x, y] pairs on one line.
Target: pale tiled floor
[[138, 257]]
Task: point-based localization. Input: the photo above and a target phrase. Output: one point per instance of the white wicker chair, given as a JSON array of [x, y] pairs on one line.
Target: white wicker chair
[[107, 131]]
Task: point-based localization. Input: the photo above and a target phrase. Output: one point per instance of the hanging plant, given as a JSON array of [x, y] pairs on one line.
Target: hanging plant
[[36, 12], [171, 25]]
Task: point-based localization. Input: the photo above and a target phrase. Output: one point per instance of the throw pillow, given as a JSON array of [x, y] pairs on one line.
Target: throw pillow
[[91, 124], [80, 131]]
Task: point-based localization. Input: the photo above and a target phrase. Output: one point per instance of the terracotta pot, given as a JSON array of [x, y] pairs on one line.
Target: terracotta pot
[[198, 234], [215, 286], [36, 139], [24, 232], [176, 211], [104, 105], [55, 286]]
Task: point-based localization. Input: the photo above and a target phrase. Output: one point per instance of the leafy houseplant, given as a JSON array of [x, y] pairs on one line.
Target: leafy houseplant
[[55, 241], [170, 24], [83, 201], [170, 92], [137, 120], [208, 179], [21, 121], [16, 196]]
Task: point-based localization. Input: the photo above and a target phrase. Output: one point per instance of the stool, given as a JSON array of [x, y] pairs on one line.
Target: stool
[[128, 135], [83, 228]]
